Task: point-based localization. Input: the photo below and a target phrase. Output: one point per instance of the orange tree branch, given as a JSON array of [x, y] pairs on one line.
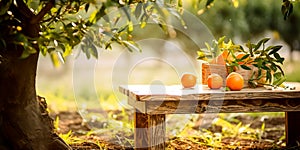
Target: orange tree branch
[[39, 17]]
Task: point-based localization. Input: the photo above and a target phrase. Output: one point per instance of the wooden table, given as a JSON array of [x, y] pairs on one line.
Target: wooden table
[[153, 102]]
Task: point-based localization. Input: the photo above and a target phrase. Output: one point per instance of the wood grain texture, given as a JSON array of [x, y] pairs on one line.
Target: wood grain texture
[[152, 106], [175, 100], [176, 93], [149, 132], [219, 106]]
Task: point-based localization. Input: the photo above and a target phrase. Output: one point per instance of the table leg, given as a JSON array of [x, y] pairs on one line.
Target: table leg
[[149, 131], [292, 128]]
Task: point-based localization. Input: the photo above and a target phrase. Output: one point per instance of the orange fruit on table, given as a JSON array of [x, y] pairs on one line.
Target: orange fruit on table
[[188, 80], [235, 81], [214, 81]]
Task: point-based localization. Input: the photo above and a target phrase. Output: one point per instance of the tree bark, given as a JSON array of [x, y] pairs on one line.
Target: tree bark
[[24, 121], [23, 124]]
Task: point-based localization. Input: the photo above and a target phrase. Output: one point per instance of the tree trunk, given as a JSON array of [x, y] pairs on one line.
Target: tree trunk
[[24, 121], [24, 124]]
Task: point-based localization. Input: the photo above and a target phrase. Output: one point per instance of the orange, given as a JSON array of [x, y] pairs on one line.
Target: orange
[[214, 81], [188, 80], [235, 81]]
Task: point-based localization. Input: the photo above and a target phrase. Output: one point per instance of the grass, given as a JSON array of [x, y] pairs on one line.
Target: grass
[[292, 70]]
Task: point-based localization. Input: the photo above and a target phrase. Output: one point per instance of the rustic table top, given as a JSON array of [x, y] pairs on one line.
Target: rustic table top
[[202, 92]]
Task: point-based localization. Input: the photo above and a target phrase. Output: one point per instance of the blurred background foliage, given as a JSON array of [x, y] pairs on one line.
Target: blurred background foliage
[[253, 19]]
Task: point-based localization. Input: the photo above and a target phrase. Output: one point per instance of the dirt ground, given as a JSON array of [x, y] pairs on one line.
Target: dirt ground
[[72, 121]]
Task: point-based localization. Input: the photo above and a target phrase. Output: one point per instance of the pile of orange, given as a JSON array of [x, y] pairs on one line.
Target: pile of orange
[[234, 81]]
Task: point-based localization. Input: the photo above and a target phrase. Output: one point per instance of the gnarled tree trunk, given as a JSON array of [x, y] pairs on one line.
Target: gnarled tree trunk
[[24, 122]]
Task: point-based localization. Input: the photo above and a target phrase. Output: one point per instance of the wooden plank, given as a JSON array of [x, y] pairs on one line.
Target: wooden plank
[[222, 106], [140, 106], [176, 93], [292, 128], [149, 131]]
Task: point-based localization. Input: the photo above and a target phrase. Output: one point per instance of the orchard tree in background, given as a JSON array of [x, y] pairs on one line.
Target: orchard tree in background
[[252, 18]]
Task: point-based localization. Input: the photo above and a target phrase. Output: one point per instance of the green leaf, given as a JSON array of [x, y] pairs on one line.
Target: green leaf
[[67, 50], [28, 50], [279, 58], [131, 46], [93, 51], [143, 24], [138, 10], [269, 76], [221, 40], [282, 72], [144, 20], [273, 67], [34, 4], [85, 49], [263, 41], [245, 67], [86, 7], [286, 9], [55, 59], [249, 45], [130, 27], [207, 46], [121, 29], [163, 26], [180, 3], [265, 67], [108, 45], [201, 55], [101, 13], [275, 49], [125, 10], [256, 65], [278, 80], [259, 74], [245, 56], [277, 75], [209, 2]]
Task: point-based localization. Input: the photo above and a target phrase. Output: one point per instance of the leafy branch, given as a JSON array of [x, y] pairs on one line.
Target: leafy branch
[[263, 61], [268, 63]]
